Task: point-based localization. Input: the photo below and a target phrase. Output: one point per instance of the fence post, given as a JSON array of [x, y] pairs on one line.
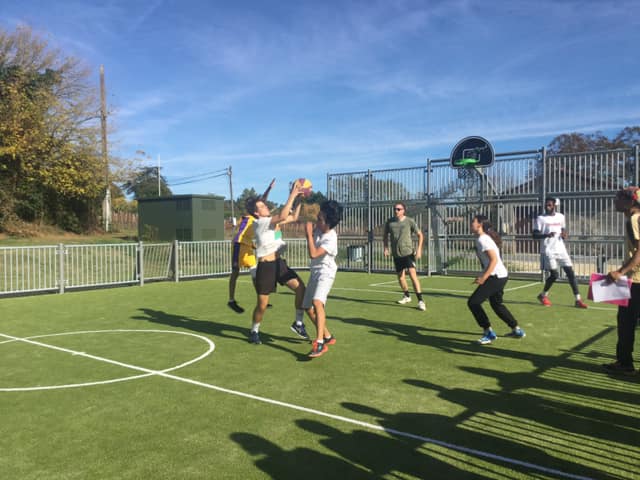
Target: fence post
[[544, 193], [636, 159], [61, 279], [369, 224], [176, 261], [140, 263]]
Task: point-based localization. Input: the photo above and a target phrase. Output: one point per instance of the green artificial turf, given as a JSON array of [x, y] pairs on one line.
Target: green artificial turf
[[403, 393]]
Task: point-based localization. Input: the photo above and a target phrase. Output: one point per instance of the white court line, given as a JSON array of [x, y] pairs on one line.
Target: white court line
[[425, 289], [522, 286], [103, 382], [292, 406]]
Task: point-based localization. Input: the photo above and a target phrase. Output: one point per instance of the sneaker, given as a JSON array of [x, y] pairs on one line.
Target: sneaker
[[330, 340], [516, 333], [254, 337], [232, 304], [300, 330], [580, 304], [404, 300], [421, 306], [487, 338], [269, 305], [544, 300], [618, 368], [318, 349]]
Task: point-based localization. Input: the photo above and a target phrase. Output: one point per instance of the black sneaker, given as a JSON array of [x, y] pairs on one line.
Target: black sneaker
[[254, 337], [300, 330], [330, 340], [269, 305], [618, 368], [235, 307]]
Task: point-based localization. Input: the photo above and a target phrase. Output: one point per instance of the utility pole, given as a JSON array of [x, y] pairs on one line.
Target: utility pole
[[158, 175], [229, 173], [106, 206]]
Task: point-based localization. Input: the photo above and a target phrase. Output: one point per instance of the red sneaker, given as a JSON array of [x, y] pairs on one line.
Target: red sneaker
[[580, 304], [318, 349], [330, 340], [544, 300]]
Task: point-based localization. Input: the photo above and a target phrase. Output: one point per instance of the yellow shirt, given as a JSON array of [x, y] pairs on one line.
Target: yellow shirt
[[632, 230]]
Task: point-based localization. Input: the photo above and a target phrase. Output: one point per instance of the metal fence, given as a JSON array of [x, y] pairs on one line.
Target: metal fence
[[511, 192], [441, 200], [57, 268]]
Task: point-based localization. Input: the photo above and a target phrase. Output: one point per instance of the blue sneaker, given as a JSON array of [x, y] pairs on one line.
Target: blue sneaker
[[300, 330], [516, 333], [254, 337], [487, 338]]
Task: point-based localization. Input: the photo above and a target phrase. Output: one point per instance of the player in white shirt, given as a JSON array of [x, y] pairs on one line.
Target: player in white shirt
[[491, 282], [550, 229], [322, 244], [272, 268]]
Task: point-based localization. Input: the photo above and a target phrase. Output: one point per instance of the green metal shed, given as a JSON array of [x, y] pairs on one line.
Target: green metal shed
[[181, 217]]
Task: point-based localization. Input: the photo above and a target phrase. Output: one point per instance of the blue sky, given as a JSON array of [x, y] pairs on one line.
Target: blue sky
[[292, 89]]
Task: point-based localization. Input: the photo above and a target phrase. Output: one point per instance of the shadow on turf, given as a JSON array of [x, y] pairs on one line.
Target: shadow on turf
[[304, 463], [222, 330], [564, 423]]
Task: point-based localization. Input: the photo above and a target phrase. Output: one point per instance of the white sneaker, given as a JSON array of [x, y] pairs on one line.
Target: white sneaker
[[421, 306], [404, 300]]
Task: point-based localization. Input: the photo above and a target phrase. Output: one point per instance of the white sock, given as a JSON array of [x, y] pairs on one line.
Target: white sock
[[578, 298], [255, 327], [299, 316]]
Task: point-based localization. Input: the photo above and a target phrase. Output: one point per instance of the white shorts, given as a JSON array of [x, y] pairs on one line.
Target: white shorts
[[317, 289], [554, 260]]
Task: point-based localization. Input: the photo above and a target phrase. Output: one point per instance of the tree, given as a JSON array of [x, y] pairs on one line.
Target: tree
[[50, 164], [315, 197], [145, 184], [584, 142]]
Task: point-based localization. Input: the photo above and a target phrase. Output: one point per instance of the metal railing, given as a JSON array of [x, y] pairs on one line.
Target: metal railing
[[58, 268]]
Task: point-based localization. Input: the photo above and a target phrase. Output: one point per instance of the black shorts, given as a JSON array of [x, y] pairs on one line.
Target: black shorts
[[403, 263], [269, 273]]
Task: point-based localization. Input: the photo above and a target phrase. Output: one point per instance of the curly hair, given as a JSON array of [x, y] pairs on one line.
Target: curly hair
[[332, 212]]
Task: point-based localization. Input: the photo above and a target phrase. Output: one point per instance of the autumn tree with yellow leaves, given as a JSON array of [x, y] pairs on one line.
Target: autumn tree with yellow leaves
[[51, 169]]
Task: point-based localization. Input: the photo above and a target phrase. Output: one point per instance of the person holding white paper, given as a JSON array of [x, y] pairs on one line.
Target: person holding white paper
[[627, 201]]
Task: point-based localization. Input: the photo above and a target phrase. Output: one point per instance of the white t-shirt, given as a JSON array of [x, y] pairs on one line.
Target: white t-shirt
[[329, 242], [267, 238], [484, 243], [546, 224]]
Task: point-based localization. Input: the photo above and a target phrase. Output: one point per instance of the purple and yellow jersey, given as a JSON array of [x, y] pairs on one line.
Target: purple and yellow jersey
[[244, 235]]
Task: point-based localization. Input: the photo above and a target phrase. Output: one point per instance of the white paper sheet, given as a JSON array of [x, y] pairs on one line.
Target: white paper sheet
[[604, 291]]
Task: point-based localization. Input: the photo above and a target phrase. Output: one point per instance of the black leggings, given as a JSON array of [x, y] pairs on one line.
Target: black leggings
[[553, 276], [627, 323], [493, 290]]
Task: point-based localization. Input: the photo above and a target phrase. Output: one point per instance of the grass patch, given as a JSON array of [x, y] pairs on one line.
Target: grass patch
[[433, 404]]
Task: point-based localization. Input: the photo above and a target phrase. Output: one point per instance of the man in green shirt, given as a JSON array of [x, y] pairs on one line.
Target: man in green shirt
[[400, 229]]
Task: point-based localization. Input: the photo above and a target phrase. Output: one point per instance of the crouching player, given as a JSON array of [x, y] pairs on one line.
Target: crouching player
[[322, 243]]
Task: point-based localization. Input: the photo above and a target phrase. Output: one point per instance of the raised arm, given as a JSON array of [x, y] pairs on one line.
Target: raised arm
[[265, 195], [286, 209]]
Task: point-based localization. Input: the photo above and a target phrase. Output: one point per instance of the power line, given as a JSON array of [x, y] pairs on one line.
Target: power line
[[198, 179], [199, 175]]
